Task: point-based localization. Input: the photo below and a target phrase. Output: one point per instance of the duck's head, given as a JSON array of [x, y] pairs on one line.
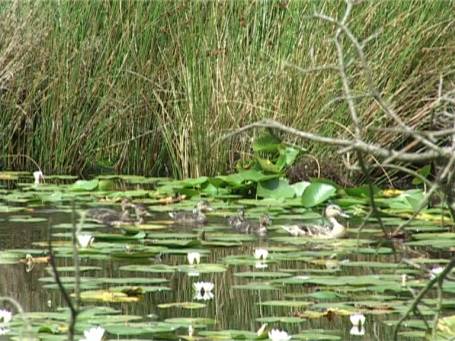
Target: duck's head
[[125, 204], [241, 212], [204, 206], [333, 211], [141, 210], [265, 220]]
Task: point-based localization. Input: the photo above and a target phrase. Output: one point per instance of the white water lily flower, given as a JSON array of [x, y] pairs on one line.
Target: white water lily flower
[[93, 334], [436, 271], [279, 335], [5, 316], [203, 290], [261, 254], [194, 257], [357, 331], [85, 239], [4, 331], [357, 320], [38, 176]]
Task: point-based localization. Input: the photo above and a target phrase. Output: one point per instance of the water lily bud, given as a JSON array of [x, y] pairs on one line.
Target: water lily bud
[[38, 176]]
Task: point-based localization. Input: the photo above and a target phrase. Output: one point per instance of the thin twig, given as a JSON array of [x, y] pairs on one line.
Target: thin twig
[[420, 296], [76, 261], [65, 295]]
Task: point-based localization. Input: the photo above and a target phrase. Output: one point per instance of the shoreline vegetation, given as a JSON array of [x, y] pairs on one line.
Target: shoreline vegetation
[[148, 87]]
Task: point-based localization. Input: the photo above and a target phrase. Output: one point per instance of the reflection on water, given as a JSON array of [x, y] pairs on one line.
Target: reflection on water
[[231, 308]]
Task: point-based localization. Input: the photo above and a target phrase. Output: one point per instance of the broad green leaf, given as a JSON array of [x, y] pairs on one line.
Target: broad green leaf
[[266, 142], [316, 193], [287, 157], [84, 185], [424, 172], [268, 166], [275, 188]]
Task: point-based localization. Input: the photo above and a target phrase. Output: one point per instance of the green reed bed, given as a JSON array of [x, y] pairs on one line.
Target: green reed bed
[[148, 87]]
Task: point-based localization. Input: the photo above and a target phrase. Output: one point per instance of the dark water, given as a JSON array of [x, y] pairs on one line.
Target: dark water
[[231, 308]]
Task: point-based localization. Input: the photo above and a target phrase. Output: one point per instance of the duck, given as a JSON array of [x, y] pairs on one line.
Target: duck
[[247, 227], [237, 220], [109, 216], [332, 230], [195, 217], [140, 212]]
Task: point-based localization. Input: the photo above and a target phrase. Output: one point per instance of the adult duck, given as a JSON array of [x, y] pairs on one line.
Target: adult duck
[[110, 216], [331, 229], [195, 217]]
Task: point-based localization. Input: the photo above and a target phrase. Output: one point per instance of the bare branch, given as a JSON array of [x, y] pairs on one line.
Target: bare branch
[[349, 145]]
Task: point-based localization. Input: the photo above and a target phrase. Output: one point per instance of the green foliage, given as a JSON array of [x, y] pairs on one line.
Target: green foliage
[[316, 193], [424, 172], [149, 86], [272, 155]]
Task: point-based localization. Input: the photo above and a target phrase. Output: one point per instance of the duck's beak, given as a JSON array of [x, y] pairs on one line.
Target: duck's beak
[[344, 215]]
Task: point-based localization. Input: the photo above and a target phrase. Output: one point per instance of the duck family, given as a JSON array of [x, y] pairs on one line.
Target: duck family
[[112, 217], [331, 228], [239, 223]]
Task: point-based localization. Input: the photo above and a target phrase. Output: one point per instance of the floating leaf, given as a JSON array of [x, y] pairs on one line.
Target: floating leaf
[[108, 296], [284, 303], [184, 305], [84, 185]]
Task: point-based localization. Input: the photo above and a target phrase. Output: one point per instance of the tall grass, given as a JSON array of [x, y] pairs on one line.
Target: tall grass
[[148, 86]]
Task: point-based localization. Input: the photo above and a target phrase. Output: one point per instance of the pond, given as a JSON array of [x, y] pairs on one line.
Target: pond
[[136, 281]]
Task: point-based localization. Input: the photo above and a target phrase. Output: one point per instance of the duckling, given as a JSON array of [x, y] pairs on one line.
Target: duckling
[[109, 216], [139, 210], [333, 230], [247, 227], [238, 219], [196, 217]]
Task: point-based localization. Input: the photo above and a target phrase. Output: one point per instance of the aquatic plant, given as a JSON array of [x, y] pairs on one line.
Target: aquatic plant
[[93, 334], [261, 254], [358, 323], [5, 316], [194, 257], [279, 335], [85, 239], [203, 290]]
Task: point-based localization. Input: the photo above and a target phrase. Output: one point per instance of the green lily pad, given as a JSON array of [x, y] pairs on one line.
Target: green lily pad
[[184, 305]]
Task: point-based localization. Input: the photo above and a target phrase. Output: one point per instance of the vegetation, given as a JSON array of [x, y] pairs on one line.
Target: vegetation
[[144, 280], [148, 87]]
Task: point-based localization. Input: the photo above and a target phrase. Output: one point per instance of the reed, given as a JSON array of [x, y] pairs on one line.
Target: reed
[[148, 86]]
